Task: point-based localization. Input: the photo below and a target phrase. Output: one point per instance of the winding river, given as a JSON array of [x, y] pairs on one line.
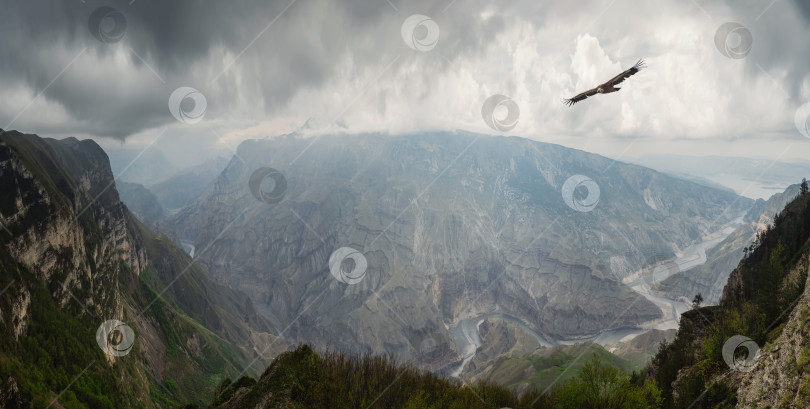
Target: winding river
[[188, 247], [467, 338]]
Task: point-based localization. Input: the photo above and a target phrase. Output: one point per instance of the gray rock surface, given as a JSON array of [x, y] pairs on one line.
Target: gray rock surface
[[451, 225]]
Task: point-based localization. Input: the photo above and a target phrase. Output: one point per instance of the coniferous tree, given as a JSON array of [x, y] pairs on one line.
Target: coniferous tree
[[697, 301]]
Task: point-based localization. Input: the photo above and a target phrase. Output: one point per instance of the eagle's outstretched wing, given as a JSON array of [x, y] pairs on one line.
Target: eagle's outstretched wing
[[580, 97], [625, 75]]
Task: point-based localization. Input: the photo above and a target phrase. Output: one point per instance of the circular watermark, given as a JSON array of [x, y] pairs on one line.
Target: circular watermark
[[428, 346], [729, 353], [656, 269], [348, 265], [180, 100], [115, 338], [574, 200], [802, 120], [492, 112], [107, 24], [431, 349], [268, 185], [420, 32], [733, 40]]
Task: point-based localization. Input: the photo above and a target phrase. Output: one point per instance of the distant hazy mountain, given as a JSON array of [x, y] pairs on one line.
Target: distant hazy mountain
[[145, 167], [72, 260], [452, 226], [186, 185], [152, 187], [754, 178], [140, 201]]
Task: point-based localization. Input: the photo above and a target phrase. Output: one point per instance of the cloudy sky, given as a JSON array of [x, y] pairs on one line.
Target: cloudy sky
[[195, 78]]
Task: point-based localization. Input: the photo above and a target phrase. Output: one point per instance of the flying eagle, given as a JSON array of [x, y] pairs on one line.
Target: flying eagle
[[607, 87]]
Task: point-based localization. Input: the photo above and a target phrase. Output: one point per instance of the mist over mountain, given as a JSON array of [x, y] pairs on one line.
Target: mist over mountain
[[173, 188], [142, 166], [184, 186], [140, 201], [452, 226]]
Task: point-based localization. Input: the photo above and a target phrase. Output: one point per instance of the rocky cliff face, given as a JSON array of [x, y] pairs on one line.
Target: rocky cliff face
[[751, 350], [781, 376], [451, 226], [49, 223], [775, 374], [10, 395], [73, 257]]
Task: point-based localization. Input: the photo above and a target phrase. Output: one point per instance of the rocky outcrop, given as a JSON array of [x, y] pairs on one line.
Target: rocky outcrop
[[781, 376], [49, 218], [751, 350], [75, 262], [18, 316], [10, 397]]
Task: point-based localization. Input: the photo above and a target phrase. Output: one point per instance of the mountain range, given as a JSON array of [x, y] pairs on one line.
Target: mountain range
[[751, 351], [452, 227], [488, 258]]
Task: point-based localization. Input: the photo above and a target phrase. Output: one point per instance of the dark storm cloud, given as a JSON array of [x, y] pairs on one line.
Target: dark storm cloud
[[110, 91], [322, 56], [804, 8], [779, 49]]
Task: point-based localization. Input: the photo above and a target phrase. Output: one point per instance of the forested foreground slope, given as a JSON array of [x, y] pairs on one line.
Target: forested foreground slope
[[752, 350]]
